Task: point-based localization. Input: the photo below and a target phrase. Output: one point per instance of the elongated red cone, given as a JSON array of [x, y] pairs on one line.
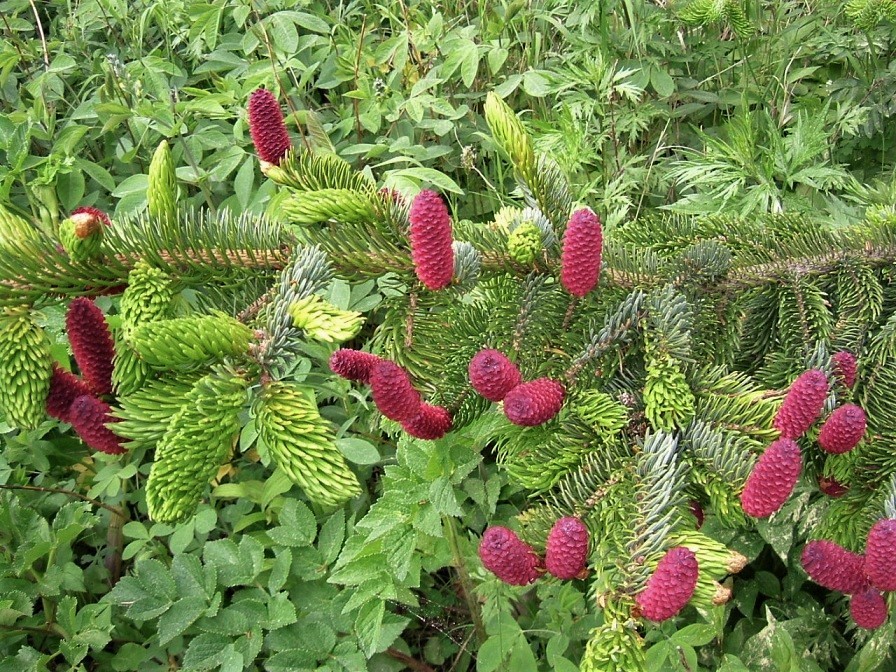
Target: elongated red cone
[[431, 422], [91, 343], [582, 249], [843, 430], [880, 555], [832, 566], [89, 416], [803, 404], [65, 387], [431, 239], [868, 609], [492, 374], [566, 550], [534, 403], [772, 479], [393, 392], [508, 557], [266, 125], [845, 367], [671, 585], [353, 364]]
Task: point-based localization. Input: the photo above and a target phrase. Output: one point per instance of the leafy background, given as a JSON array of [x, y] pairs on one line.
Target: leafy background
[[786, 107]]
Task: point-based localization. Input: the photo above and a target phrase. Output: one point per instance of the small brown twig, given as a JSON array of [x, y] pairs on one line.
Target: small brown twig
[[412, 663]]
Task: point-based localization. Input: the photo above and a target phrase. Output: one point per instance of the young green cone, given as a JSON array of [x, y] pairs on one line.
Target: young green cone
[[301, 443], [322, 321], [196, 443], [186, 341], [26, 368], [161, 192]]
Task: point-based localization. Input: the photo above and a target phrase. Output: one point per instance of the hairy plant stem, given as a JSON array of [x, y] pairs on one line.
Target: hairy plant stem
[[466, 584]]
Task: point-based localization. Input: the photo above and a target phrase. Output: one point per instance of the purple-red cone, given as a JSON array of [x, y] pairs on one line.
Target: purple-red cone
[[832, 566], [566, 551], [697, 512], [393, 393], [670, 586], [508, 557], [431, 240], [534, 403], [89, 416], [843, 430], [266, 125], [65, 387], [91, 344], [880, 555], [772, 479], [492, 374], [831, 487], [803, 404], [96, 213], [868, 609], [353, 364], [431, 422], [581, 257], [845, 367]]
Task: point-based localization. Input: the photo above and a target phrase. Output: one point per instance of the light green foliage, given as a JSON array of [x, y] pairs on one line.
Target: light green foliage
[[189, 341], [524, 243]]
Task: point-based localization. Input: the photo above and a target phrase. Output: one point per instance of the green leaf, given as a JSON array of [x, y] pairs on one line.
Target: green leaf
[[297, 525], [696, 634], [280, 570], [358, 451], [206, 651], [179, 617], [281, 612], [368, 626], [332, 534], [441, 494]]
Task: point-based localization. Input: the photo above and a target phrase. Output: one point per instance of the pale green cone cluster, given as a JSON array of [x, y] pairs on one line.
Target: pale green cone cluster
[[26, 367], [615, 645], [144, 415], [197, 441], [524, 243], [341, 205], [322, 321], [668, 399], [79, 248], [301, 443]]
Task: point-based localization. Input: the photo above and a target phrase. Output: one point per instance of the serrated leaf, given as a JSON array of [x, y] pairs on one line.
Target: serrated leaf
[[179, 617], [369, 626], [281, 612]]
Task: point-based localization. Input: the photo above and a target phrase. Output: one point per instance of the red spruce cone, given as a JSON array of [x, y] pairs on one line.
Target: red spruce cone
[[567, 548], [880, 551], [868, 609], [670, 586], [91, 344], [88, 220], [353, 364], [831, 487], [65, 387], [832, 566], [697, 512], [843, 430], [431, 422], [393, 393], [89, 416], [266, 125], [493, 375], [772, 479], [803, 404], [431, 240], [533, 403], [845, 367], [580, 260], [509, 558]]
